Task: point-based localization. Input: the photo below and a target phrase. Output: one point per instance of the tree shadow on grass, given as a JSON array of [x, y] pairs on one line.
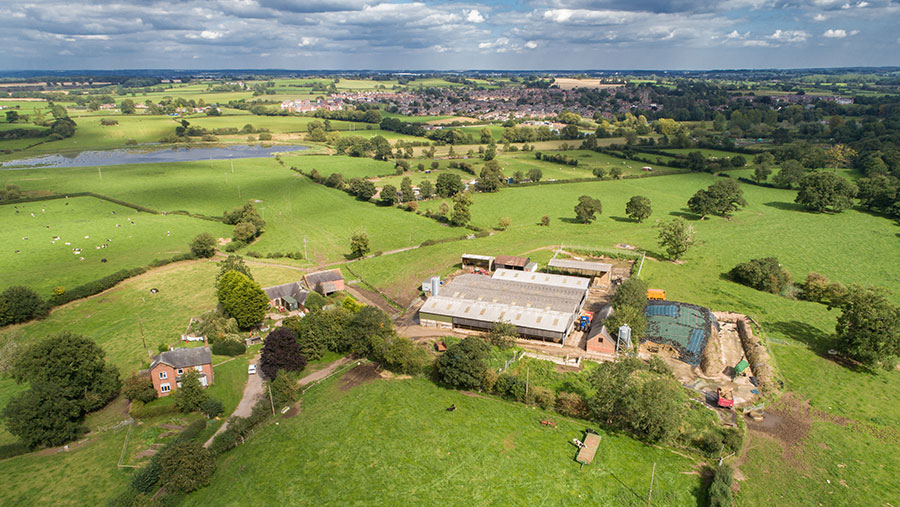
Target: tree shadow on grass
[[685, 214], [814, 338], [570, 220], [785, 206], [624, 219]]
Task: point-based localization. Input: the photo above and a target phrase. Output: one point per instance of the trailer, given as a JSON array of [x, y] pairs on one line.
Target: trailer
[[725, 397], [658, 294], [588, 449]]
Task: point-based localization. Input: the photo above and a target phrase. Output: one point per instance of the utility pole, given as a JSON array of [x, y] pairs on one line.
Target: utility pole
[[272, 402], [652, 476], [527, 372], [100, 173], [305, 255], [232, 167], [141, 324]]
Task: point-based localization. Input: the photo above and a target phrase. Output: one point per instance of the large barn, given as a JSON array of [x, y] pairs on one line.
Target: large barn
[[540, 305]]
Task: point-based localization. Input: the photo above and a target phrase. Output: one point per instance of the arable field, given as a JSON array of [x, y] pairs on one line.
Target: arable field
[[69, 242], [391, 442]]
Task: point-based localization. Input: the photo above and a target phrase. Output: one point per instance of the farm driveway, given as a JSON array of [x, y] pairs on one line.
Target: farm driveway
[[252, 391]]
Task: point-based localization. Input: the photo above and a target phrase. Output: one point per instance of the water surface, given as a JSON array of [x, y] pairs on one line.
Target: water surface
[[147, 156]]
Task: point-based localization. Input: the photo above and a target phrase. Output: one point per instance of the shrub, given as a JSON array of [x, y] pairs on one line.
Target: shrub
[[315, 301], [571, 405], [283, 388], [710, 443], [139, 388], [212, 408], [511, 386], [720, 488], [186, 466], [463, 364], [21, 304], [190, 394], [761, 274], [192, 431], [14, 449], [228, 348], [265, 136], [543, 397], [234, 246], [204, 245], [145, 479], [404, 356], [244, 231], [489, 380], [733, 440]]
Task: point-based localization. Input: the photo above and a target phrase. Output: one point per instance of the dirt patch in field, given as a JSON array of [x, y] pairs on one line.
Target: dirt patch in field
[[223, 241], [567, 83], [461, 119], [473, 395], [509, 443], [362, 374], [788, 422]]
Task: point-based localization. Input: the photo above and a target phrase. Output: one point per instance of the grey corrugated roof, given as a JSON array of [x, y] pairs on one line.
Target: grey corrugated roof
[[477, 257], [184, 358], [599, 267], [293, 289], [516, 293], [564, 281], [485, 311], [314, 279]]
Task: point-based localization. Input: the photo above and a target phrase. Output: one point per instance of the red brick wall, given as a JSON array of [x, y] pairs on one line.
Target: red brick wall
[[172, 377]]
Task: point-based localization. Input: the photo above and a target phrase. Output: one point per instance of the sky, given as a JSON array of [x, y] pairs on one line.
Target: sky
[[442, 35]]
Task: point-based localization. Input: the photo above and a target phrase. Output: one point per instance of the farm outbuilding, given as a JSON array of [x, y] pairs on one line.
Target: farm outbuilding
[[541, 306], [325, 282], [478, 261], [288, 295], [598, 270], [511, 262]]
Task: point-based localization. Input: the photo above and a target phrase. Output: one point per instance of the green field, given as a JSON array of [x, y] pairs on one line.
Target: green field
[[293, 206], [134, 239], [391, 442]]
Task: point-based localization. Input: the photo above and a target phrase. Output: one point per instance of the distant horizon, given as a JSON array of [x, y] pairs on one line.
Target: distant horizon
[[487, 34], [38, 72]]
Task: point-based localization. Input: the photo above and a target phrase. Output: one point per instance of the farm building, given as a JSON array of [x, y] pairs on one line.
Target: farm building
[[325, 282], [600, 271], [540, 305], [478, 261], [289, 295], [168, 367], [511, 262]]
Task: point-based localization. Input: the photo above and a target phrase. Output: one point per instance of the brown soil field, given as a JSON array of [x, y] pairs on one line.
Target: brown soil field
[[568, 83]]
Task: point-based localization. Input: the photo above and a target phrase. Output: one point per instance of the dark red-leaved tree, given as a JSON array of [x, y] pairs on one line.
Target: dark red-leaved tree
[[281, 352]]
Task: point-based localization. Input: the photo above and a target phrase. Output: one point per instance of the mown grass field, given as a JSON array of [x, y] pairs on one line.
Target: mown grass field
[[392, 442], [133, 239]]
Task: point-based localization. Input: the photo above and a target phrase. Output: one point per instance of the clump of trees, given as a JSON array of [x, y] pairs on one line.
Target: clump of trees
[[68, 379], [825, 192], [629, 303], [190, 394], [247, 222], [21, 304], [721, 198], [139, 388], [762, 274], [463, 364]]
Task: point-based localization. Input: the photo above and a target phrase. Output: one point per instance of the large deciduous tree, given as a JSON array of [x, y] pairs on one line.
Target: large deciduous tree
[[676, 237], [638, 208], [463, 364], [203, 245], [825, 191], [868, 328], [21, 304], [587, 209], [190, 394], [281, 351], [359, 245], [448, 185]]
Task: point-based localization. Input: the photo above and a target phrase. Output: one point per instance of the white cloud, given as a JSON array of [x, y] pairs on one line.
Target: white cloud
[[832, 33], [531, 44], [789, 36], [756, 43], [820, 17], [206, 34], [473, 16], [307, 41], [862, 5], [737, 35]]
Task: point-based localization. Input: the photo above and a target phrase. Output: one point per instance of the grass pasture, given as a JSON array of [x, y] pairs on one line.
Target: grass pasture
[[392, 442], [134, 239]]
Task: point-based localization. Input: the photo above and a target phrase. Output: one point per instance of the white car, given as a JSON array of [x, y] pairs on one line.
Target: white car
[[251, 369]]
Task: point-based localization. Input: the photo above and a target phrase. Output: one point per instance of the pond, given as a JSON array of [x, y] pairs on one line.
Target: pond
[[147, 156]]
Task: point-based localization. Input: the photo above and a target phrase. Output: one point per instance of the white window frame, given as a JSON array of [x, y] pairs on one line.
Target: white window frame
[[180, 371], [199, 368], [163, 375], [164, 388]]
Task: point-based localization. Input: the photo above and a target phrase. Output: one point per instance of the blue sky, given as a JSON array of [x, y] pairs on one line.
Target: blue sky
[[365, 34]]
